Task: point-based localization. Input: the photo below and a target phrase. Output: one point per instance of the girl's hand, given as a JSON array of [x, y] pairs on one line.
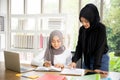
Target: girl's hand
[[72, 65], [59, 66], [47, 63]]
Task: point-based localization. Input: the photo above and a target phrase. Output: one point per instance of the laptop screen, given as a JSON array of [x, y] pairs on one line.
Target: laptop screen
[[12, 61]]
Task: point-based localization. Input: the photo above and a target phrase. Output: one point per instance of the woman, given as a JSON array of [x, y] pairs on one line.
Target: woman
[[92, 41], [56, 54]]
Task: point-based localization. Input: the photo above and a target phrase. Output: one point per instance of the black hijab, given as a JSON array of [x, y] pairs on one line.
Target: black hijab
[[90, 12]]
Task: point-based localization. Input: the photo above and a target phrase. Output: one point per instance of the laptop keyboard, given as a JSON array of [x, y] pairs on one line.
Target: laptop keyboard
[[26, 68]]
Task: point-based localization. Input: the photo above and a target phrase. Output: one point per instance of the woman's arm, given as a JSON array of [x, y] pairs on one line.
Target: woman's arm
[[69, 58], [38, 60], [78, 51]]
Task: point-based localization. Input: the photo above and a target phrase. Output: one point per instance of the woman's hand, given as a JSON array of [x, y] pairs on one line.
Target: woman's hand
[[47, 63], [59, 66], [72, 65], [102, 73]]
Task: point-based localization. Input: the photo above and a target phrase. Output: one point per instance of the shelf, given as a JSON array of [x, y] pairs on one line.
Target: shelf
[[29, 33], [38, 15], [23, 31], [25, 50]]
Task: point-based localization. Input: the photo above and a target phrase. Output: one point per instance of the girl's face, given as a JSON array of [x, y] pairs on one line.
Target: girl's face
[[85, 22], [56, 43]]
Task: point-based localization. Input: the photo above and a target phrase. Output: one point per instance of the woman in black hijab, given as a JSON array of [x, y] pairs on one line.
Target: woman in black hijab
[[92, 41]]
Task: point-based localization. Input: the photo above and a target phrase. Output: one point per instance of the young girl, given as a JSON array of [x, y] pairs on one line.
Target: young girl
[[56, 54]]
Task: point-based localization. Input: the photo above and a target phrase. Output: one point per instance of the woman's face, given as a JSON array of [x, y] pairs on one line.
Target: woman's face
[[56, 43], [85, 22]]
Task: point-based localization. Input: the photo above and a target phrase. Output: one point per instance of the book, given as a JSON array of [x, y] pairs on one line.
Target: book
[[51, 69], [28, 75], [52, 77], [73, 71], [41, 41], [86, 77]]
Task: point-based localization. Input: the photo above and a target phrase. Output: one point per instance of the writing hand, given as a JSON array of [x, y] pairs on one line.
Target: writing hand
[[59, 65], [72, 65], [47, 63]]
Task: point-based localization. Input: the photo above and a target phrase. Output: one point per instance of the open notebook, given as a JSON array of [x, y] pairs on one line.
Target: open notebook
[[73, 71], [12, 62], [50, 69]]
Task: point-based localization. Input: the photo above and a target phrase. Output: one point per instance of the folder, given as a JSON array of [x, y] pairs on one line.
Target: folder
[[52, 77]]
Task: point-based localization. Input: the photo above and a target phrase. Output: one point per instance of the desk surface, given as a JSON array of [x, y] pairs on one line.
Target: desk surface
[[11, 75]]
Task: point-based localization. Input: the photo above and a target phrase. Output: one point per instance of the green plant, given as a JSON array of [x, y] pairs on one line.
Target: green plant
[[114, 62]]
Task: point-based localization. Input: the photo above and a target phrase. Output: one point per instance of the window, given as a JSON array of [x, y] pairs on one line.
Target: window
[[111, 19], [96, 2], [17, 6], [71, 8], [50, 6], [33, 7], [31, 23]]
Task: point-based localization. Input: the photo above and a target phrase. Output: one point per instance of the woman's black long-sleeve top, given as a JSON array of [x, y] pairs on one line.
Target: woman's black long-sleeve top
[[92, 42]]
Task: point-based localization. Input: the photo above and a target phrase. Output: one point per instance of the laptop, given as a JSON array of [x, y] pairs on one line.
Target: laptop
[[12, 62]]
